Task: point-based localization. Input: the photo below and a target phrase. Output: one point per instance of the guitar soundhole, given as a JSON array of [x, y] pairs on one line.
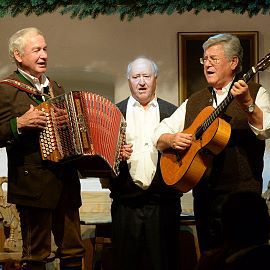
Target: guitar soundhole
[[178, 156], [206, 152]]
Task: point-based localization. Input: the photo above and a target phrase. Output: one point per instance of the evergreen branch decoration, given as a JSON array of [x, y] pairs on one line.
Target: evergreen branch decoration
[[129, 9]]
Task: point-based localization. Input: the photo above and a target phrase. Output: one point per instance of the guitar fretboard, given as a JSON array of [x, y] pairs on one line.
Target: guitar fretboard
[[222, 106]]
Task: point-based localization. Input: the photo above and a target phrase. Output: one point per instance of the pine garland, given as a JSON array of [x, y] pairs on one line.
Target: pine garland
[[129, 9]]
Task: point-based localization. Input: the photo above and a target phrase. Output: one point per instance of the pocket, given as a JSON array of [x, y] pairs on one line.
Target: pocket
[[28, 181]]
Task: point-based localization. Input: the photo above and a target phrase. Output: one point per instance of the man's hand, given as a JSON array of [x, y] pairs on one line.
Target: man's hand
[[32, 119], [177, 141], [241, 93], [126, 151], [180, 141], [61, 117]]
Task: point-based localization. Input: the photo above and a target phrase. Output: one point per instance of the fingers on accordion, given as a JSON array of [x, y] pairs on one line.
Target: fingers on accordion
[[96, 127]]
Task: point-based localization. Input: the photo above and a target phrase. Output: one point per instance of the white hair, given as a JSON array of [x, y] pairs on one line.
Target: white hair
[[142, 59]]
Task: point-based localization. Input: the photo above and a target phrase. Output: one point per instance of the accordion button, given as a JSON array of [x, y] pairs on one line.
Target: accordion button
[[26, 172]]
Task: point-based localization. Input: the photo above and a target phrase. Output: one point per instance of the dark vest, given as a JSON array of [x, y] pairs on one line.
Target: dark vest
[[239, 166], [123, 188]]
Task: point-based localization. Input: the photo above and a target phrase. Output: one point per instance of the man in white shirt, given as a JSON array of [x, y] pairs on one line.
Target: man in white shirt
[[145, 212], [239, 166]]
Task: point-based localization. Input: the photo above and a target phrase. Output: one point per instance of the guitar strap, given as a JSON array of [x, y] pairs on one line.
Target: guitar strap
[[214, 95]]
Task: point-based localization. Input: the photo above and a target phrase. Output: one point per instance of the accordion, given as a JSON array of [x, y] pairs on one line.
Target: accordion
[[86, 128]]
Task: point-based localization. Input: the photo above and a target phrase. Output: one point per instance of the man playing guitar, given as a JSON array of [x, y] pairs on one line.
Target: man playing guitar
[[238, 164]]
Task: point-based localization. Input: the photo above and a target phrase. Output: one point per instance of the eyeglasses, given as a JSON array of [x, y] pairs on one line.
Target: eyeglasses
[[212, 59]]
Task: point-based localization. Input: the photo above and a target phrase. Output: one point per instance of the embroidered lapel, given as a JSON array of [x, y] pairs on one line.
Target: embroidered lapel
[[28, 89]]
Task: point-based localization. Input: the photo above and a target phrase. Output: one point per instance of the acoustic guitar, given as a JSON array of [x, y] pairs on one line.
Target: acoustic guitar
[[184, 169]]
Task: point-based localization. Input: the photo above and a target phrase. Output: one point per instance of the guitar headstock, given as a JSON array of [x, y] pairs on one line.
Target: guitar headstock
[[263, 64]]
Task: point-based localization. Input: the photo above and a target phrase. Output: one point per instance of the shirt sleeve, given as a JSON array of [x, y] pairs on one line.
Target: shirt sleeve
[[263, 102], [173, 124]]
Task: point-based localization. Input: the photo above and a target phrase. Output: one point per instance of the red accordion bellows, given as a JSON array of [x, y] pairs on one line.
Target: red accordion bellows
[[86, 128]]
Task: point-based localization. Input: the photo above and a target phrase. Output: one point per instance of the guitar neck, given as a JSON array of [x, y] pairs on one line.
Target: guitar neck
[[222, 106]]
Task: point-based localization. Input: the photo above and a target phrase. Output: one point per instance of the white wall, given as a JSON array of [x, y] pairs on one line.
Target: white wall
[[93, 54]]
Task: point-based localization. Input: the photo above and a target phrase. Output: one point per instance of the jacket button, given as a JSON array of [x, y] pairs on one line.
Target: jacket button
[[26, 172], [210, 100]]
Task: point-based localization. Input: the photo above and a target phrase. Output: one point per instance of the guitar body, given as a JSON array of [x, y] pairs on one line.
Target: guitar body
[[184, 169]]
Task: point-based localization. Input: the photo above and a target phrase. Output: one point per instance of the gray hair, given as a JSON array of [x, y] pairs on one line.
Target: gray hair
[[19, 39], [231, 45], [143, 59]]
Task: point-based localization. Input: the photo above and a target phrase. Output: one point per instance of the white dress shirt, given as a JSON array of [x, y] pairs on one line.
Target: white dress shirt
[[141, 123], [39, 85], [175, 123]]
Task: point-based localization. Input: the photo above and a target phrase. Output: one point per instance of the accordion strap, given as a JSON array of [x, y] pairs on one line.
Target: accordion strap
[[23, 86]]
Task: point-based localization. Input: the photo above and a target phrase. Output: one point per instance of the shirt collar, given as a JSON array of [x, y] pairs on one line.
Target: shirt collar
[[225, 89], [133, 102], [35, 81]]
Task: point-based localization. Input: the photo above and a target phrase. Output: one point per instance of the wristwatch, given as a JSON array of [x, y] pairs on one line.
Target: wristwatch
[[250, 108]]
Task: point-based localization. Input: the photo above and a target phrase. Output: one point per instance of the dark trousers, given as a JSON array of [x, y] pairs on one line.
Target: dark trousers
[[207, 212], [146, 235], [36, 227]]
